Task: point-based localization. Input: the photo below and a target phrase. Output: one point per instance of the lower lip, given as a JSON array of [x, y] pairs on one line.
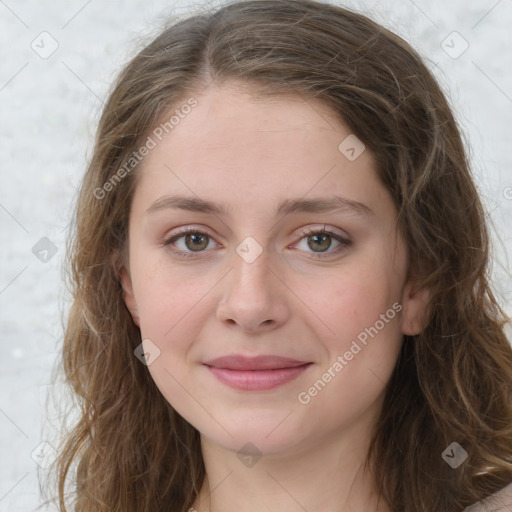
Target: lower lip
[[257, 380]]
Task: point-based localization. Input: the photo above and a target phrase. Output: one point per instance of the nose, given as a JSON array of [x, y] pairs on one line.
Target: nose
[[253, 297]]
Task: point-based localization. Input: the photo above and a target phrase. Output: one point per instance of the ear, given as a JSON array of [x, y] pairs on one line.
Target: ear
[[416, 310], [128, 296]]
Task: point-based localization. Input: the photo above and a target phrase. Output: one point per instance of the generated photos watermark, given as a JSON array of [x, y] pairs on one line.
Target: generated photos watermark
[[343, 360], [151, 143]]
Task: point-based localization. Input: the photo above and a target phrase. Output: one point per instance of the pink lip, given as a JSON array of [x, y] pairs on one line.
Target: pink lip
[[256, 373]]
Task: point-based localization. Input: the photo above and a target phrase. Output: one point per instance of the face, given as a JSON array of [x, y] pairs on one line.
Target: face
[[291, 252]]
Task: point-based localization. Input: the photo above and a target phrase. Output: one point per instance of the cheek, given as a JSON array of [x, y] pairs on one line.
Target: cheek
[[167, 295], [164, 310], [363, 310], [171, 309], [353, 297]]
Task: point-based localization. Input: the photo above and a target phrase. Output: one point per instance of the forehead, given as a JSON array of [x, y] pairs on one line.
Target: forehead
[[251, 150]]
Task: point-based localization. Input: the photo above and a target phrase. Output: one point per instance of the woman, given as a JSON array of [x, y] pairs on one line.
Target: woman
[[279, 274]]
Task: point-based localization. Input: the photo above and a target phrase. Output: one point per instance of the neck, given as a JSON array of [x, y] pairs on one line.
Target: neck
[[328, 475]]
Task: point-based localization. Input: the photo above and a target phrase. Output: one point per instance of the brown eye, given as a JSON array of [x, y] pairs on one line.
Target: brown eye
[[188, 242], [196, 241], [321, 241]]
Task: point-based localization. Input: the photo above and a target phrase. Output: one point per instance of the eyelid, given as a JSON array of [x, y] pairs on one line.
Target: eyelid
[[321, 228]]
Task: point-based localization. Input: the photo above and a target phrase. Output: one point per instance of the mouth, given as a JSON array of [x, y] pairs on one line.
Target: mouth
[[256, 373]]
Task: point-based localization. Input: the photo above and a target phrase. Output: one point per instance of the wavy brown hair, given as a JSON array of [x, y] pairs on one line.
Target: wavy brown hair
[[129, 451]]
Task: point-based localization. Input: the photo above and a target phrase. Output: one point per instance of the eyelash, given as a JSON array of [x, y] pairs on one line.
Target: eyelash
[[344, 242]]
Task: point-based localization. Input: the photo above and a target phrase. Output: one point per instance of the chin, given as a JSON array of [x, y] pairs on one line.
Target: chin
[[264, 438]]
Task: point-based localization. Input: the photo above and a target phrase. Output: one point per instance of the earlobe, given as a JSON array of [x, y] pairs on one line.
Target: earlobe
[[128, 295], [416, 309]]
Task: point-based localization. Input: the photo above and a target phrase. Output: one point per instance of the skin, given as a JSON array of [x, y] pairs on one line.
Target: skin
[[250, 153]]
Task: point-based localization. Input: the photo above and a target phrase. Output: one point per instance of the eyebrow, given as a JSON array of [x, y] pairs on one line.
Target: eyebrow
[[286, 207]]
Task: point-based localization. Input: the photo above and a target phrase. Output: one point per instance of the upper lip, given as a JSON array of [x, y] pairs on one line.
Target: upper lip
[[265, 362]]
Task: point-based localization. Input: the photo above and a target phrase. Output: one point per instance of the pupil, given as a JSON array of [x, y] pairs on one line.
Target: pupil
[[325, 237], [196, 238]]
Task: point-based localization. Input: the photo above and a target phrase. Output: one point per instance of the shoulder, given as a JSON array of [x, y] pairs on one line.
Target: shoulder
[[500, 501]]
